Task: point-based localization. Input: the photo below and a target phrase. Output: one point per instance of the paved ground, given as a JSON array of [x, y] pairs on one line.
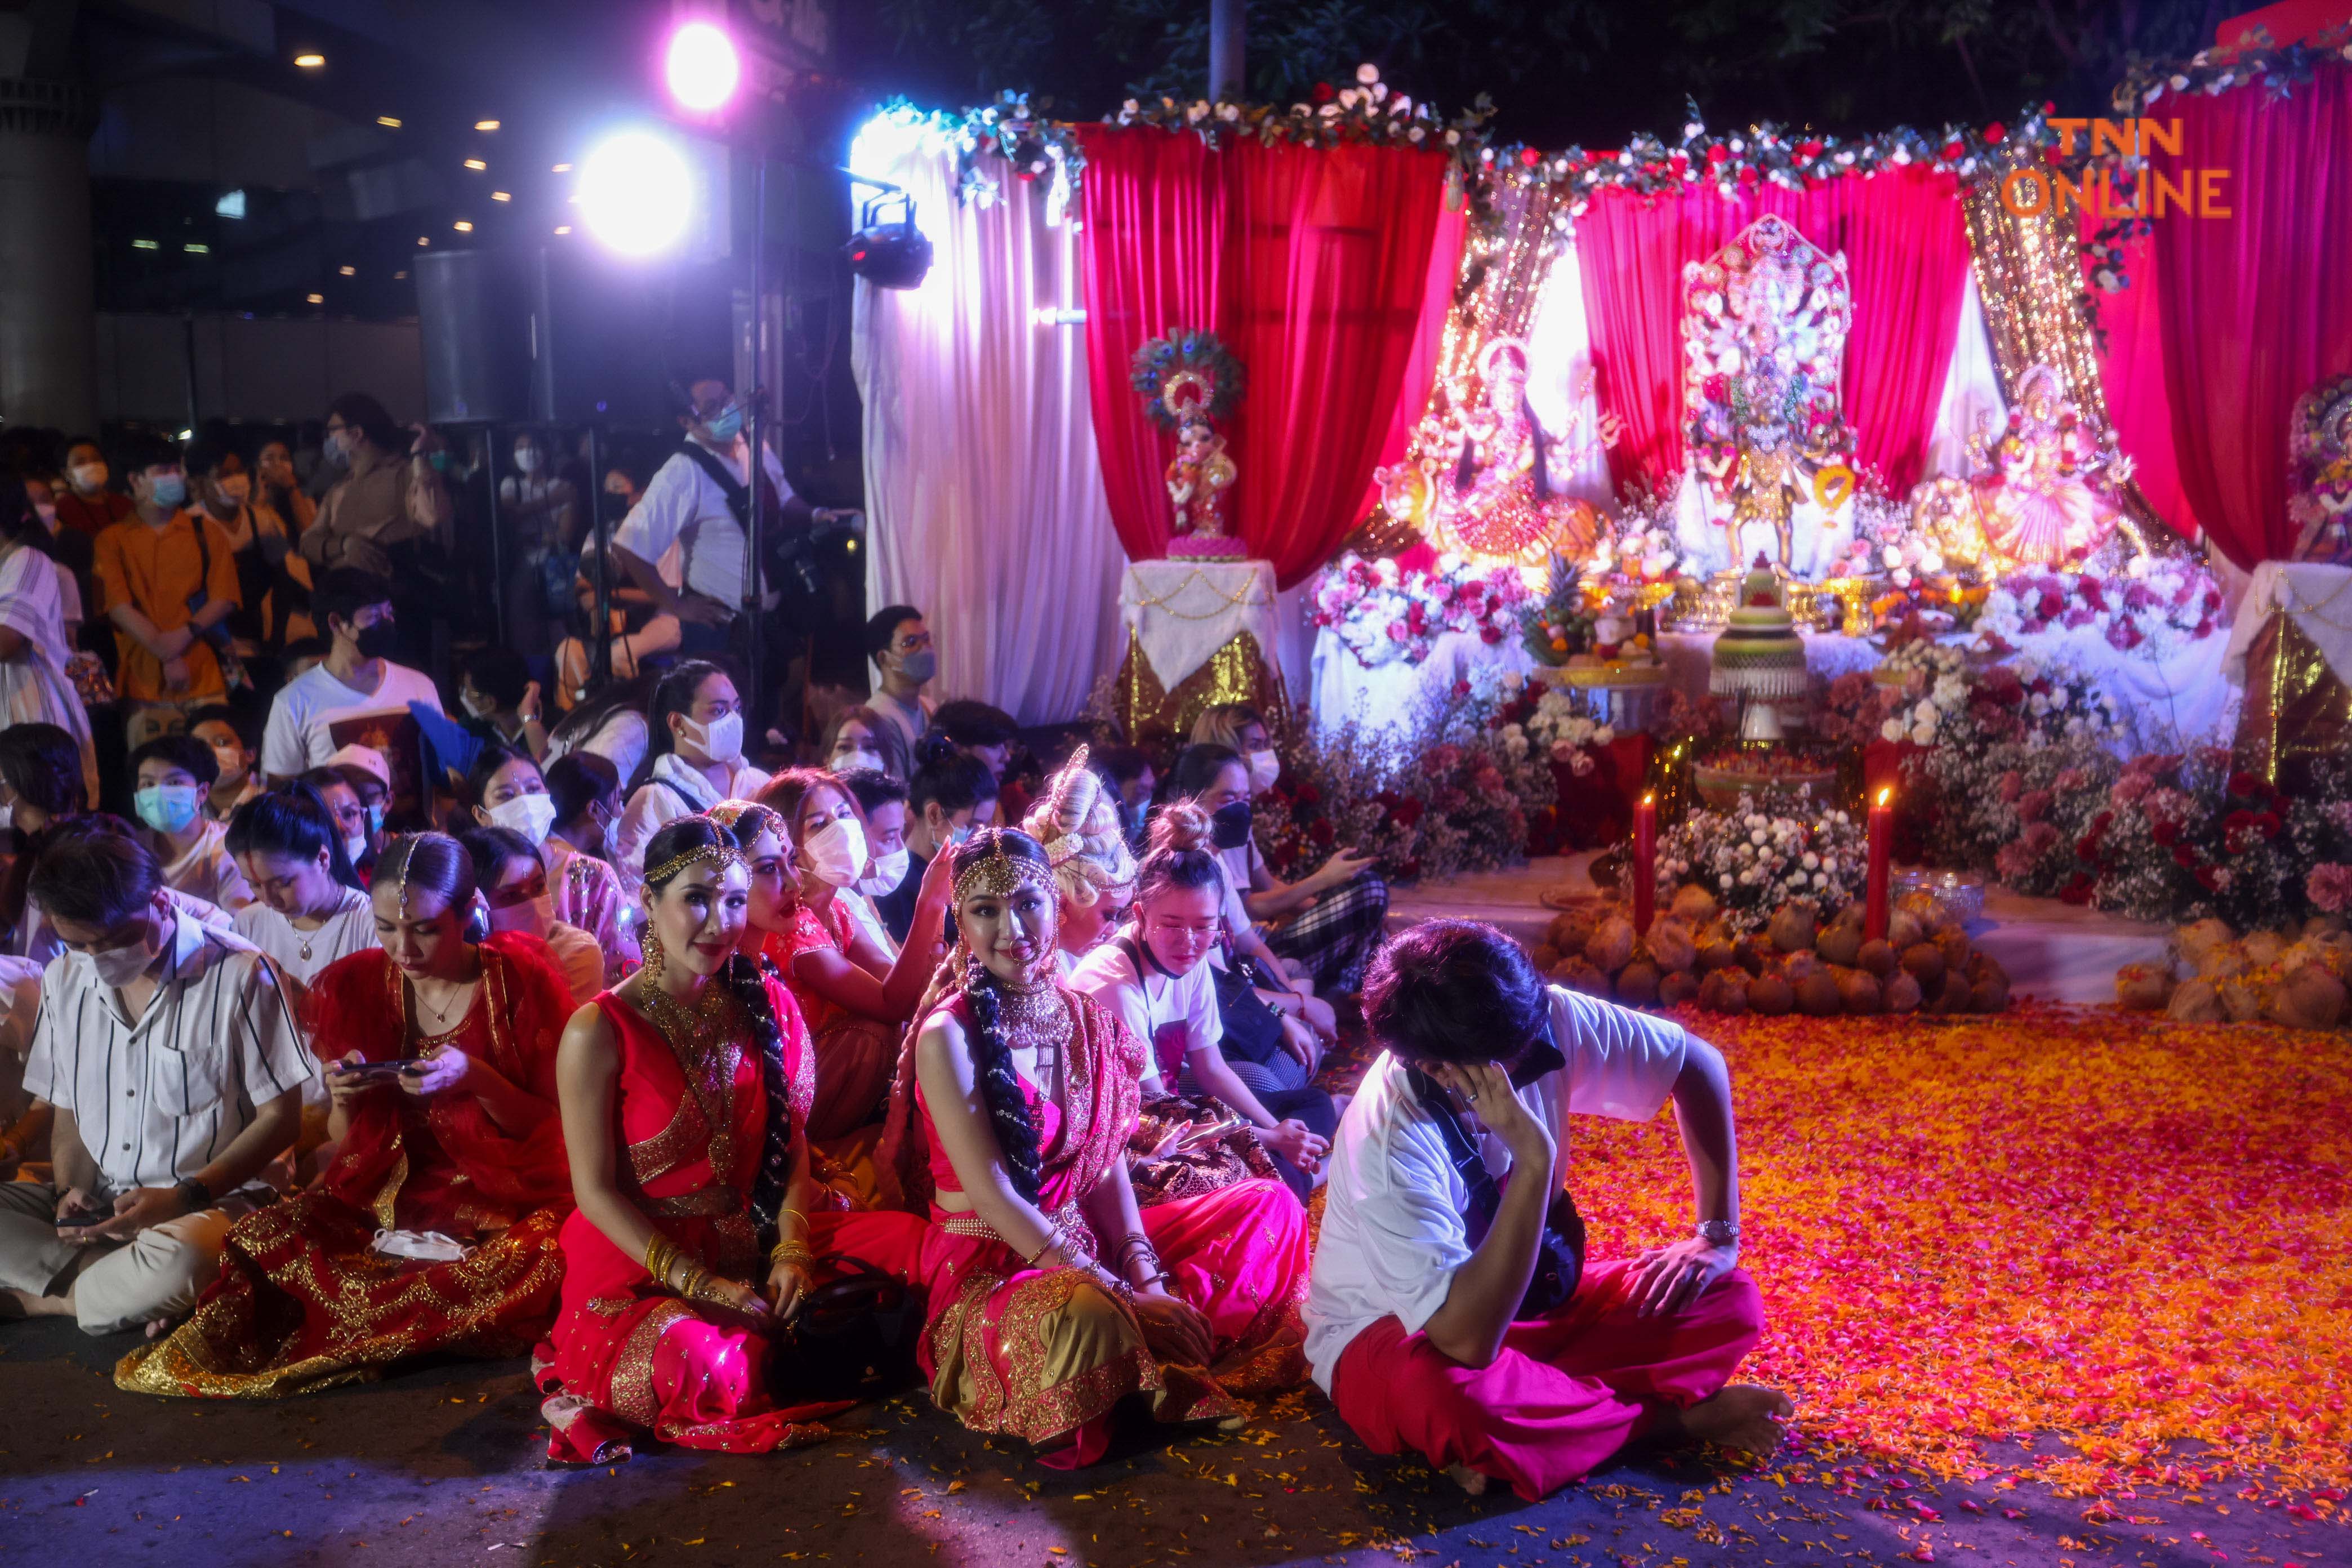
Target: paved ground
[[443, 1465]]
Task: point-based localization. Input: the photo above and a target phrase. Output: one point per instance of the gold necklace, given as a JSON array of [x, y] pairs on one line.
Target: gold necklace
[[441, 1015], [1035, 1017]]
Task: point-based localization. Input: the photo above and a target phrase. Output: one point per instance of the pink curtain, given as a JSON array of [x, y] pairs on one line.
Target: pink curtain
[[1312, 265], [2254, 307], [2131, 373], [1906, 253]]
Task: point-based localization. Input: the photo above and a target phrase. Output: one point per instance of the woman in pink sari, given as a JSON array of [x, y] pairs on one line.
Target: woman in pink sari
[[1051, 1297]]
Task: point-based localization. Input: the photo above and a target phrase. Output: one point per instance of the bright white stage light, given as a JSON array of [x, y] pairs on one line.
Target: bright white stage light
[[636, 193], [702, 69], [886, 141]]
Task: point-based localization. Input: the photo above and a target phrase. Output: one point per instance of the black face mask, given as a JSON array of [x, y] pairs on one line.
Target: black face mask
[[1229, 826], [381, 640]]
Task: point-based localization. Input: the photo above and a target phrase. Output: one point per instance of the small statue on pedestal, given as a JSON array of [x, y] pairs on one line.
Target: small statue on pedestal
[[2319, 444], [1188, 380]]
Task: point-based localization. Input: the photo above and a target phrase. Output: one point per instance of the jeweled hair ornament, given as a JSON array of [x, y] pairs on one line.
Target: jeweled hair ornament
[[721, 854], [999, 875]]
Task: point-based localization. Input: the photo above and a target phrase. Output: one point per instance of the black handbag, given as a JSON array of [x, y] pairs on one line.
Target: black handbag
[[854, 1338], [1253, 1029], [1559, 1251]]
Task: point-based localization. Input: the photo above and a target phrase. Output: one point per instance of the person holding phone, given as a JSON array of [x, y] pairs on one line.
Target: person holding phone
[[436, 1226], [1452, 1313]]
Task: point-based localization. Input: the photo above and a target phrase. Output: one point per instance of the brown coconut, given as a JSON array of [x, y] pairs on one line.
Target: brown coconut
[[1924, 962], [1853, 914], [1770, 995], [1676, 987], [2200, 937], [1757, 953], [2310, 998], [1672, 946], [1817, 996], [1714, 956], [1952, 994], [2323, 925], [1724, 991], [1637, 984], [2195, 1002], [1956, 946], [2263, 948], [2240, 1001], [2143, 988], [1792, 927], [1858, 991], [1840, 944], [1612, 945], [2226, 962], [1904, 930], [1796, 967], [1546, 957], [1928, 910], [1571, 929], [1900, 993], [1576, 973], [1878, 957], [1693, 905]]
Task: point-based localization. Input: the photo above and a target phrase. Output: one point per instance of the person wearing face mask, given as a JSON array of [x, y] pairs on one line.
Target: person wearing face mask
[[861, 738], [164, 1121], [87, 506], [170, 579], [694, 760], [1239, 727], [506, 790], [228, 732], [278, 489], [33, 686], [514, 883], [883, 801], [950, 796], [691, 504], [171, 777], [258, 539], [308, 908], [900, 644], [856, 995], [501, 700], [389, 500], [1051, 1295], [586, 790], [358, 679], [436, 1226], [1130, 773], [344, 805], [1326, 923]]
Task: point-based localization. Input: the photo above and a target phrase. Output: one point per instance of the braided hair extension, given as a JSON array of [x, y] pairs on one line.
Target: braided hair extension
[[999, 1086], [743, 979]]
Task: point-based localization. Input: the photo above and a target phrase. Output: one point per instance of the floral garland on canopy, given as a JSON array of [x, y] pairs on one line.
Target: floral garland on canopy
[[1383, 612]]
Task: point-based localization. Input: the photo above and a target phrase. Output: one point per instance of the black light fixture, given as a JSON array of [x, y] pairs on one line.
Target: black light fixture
[[889, 255]]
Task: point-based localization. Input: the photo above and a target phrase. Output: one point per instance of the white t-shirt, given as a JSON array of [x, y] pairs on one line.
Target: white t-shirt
[[298, 738], [656, 806], [207, 870], [683, 506], [1393, 1229], [1153, 1001], [301, 954], [621, 739]]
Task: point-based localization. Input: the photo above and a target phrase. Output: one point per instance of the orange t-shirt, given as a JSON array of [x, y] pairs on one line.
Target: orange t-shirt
[[154, 570]]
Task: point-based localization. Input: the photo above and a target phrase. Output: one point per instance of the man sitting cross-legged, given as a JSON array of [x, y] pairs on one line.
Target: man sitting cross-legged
[[1446, 1316]]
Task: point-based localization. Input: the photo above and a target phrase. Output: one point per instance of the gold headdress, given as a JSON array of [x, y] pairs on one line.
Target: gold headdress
[[728, 814], [1080, 828], [999, 875], [722, 855]]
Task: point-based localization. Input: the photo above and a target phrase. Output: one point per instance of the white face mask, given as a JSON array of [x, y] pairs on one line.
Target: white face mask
[[720, 741], [48, 511], [527, 461], [845, 761], [889, 870], [1264, 767], [356, 847], [235, 489], [89, 478], [8, 814], [529, 814], [479, 706], [838, 851], [534, 917], [119, 966]]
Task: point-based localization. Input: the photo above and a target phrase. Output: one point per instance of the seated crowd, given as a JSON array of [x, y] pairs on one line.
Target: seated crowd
[[614, 1048]]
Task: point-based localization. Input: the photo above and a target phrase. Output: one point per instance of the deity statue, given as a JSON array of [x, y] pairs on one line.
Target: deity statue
[[1481, 480], [2046, 491], [1198, 478], [1764, 340], [2319, 444], [1189, 380]]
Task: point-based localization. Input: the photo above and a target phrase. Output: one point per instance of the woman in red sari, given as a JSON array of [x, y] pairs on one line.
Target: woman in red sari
[[436, 1228], [1051, 1297], [685, 1094]]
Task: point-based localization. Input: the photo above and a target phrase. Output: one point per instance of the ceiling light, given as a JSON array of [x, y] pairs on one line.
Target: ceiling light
[[145, 245], [486, 125], [310, 62], [500, 197], [563, 168], [424, 240], [400, 276], [462, 226], [475, 165], [349, 271], [563, 228], [389, 121], [194, 249], [314, 298]]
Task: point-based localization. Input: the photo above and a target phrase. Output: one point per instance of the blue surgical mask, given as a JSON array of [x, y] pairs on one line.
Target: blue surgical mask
[[169, 490], [375, 816], [168, 808], [725, 424]]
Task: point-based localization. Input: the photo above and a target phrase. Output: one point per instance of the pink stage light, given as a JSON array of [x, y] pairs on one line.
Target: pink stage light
[[703, 69]]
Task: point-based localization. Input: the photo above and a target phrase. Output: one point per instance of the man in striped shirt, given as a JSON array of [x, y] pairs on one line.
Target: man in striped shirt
[[177, 1068]]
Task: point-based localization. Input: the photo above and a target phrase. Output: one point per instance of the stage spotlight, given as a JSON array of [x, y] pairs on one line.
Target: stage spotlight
[[703, 70], [636, 193], [889, 255]]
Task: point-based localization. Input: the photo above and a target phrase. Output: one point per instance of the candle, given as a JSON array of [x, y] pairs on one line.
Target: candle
[[1882, 856], [1645, 860]]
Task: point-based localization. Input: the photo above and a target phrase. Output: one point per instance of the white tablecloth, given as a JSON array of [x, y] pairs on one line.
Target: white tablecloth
[[1384, 699], [2318, 598], [1182, 612]]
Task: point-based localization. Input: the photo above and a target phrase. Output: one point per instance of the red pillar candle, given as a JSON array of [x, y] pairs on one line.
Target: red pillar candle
[[1645, 861], [1882, 857]]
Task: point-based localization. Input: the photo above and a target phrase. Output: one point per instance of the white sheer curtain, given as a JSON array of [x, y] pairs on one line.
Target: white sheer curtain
[[983, 490], [1972, 392]]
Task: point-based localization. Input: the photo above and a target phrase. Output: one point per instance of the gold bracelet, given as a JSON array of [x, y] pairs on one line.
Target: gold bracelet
[[791, 1252], [1053, 1241], [661, 1257]]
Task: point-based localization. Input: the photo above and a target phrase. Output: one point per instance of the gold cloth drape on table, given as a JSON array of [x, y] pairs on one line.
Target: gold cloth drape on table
[[2297, 709], [1236, 672]]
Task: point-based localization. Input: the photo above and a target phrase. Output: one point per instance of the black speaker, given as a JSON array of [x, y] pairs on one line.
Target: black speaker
[[474, 317]]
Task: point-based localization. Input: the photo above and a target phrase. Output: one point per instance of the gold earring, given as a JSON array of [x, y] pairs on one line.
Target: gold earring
[[654, 953]]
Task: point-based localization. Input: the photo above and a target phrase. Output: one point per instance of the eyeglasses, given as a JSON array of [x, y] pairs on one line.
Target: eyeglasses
[[914, 642]]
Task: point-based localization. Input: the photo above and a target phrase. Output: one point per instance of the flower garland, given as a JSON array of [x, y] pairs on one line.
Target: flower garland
[[1369, 114], [2158, 604], [1754, 863], [1383, 612]]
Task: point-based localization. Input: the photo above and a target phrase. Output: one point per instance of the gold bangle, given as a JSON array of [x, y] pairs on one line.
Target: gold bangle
[[661, 1257], [1053, 1241], [791, 1252], [691, 1286]]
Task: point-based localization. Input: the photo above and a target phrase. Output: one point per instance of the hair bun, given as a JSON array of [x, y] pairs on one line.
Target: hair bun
[[1181, 824]]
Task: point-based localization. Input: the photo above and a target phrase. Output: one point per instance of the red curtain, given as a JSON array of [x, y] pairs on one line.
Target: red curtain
[[1906, 251], [1428, 342], [2254, 307], [1312, 265], [2131, 372]]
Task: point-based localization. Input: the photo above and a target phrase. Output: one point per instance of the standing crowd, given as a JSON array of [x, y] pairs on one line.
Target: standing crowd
[[567, 1030]]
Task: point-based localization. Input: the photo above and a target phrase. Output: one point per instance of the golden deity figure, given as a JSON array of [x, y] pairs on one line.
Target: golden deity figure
[[1198, 479]]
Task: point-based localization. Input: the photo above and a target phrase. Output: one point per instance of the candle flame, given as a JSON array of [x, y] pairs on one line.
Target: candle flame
[[1885, 795], [1649, 798]]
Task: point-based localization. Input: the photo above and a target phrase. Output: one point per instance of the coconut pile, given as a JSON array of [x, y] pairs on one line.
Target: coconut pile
[[1925, 964], [2297, 979]]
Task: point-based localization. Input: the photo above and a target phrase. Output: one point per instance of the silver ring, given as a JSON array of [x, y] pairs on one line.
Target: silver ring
[[1471, 1098]]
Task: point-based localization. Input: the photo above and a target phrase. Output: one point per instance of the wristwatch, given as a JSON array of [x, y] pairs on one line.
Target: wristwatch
[[194, 1196], [1721, 1232]]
